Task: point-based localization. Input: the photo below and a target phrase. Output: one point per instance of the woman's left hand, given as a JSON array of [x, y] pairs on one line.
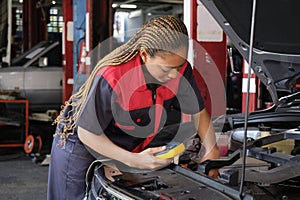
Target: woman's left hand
[[214, 173], [212, 155], [206, 133]]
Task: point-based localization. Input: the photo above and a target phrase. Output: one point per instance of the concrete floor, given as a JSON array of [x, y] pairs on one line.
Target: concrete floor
[[21, 177]]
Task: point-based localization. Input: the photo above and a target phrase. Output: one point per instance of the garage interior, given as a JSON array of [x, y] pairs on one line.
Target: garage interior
[[48, 49]]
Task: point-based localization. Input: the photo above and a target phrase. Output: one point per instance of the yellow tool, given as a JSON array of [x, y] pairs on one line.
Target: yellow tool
[[172, 149]]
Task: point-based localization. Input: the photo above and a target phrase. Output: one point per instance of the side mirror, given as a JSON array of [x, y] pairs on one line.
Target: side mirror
[[43, 61]]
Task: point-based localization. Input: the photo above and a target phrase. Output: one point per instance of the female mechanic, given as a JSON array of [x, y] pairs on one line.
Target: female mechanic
[[126, 107]]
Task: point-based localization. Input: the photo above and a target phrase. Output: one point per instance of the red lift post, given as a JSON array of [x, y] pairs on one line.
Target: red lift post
[[253, 89], [34, 23], [67, 62], [98, 14], [210, 60]]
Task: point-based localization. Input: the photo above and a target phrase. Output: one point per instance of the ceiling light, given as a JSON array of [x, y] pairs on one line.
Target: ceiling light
[[131, 6], [114, 5]]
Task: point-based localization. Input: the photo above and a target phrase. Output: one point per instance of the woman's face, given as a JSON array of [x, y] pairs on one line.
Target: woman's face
[[164, 66]]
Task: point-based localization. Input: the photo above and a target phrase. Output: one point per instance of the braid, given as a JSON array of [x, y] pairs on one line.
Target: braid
[[160, 34]]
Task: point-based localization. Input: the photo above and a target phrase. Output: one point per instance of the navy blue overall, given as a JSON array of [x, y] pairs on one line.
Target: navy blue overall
[[122, 105]]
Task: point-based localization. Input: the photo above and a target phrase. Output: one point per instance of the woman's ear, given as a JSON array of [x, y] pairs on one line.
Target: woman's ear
[[144, 55]]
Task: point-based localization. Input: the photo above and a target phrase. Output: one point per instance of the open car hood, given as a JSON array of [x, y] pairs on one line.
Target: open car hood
[[276, 43]]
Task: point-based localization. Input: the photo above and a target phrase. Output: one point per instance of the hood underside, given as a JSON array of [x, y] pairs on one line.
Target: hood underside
[[276, 39]]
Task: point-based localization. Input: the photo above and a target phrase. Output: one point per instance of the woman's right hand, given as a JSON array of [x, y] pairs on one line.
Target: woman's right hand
[[104, 146], [147, 160]]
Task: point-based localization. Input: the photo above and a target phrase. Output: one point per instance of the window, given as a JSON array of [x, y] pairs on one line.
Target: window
[[56, 20], [19, 21]]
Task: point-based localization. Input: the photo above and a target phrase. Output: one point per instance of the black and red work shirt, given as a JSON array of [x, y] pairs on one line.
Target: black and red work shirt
[[131, 112]]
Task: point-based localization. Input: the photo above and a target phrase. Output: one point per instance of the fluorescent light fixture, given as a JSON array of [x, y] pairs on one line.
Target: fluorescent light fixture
[[130, 6], [114, 5]]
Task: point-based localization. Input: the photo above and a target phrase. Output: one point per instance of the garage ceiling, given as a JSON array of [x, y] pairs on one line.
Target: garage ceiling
[[146, 4]]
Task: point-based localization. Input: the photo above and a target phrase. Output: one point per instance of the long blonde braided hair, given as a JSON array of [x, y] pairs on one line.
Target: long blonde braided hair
[[165, 33]]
